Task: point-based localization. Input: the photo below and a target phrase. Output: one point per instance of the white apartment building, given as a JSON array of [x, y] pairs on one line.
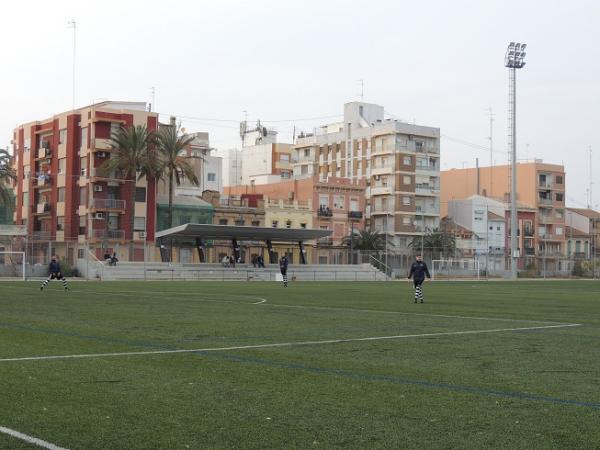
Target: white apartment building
[[208, 168], [231, 168], [485, 218], [398, 161]]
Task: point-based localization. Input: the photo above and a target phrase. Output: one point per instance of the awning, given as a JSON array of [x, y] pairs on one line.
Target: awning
[[226, 232]]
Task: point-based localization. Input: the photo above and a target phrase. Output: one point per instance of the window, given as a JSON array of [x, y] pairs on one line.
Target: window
[[406, 220], [274, 224], [83, 195], [406, 201], [407, 161], [353, 204], [288, 224], [559, 197], [498, 228], [307, 152], [26, 199], [211, 176], [222, 221], [114, 128], [140, 194], [83, 164], [185, 219], [62, 166], [338, 201], [80, 253], [406, 179], [491, 228], [324, 200], [559, 213], [139, 224], [384, 204], [302, 225], [559, 179], [285, 174], [256, 223], [559, 231], [240, 222], [60, 223], [84, 139], [284, 157], [61, 194], [62, 136], [82, 222]]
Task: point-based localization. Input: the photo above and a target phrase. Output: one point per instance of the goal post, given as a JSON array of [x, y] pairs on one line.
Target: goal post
[[447, 269], [12, 265]]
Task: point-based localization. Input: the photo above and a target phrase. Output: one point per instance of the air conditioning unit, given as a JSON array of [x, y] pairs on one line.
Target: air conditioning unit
[[142, 235], [101, 154], [97, 188], [99, 216]]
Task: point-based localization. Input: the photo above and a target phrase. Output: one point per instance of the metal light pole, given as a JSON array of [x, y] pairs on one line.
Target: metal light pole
[[513, 60]]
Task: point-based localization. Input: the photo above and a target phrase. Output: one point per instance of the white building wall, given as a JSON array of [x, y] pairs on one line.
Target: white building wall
[[231, 167], [577, 221], [257, 160]]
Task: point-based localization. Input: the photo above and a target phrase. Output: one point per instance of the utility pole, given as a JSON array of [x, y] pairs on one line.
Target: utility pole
[[513, 60], [491, 193], [591, 200], [73, 24]]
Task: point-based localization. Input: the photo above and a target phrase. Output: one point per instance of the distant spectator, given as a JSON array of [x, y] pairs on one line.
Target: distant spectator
[[261, 261], [114, 260], [232, 260], [225, 261], [254, 261]]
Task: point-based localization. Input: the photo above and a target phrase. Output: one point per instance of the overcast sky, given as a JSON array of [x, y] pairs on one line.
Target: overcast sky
[[439, 63]]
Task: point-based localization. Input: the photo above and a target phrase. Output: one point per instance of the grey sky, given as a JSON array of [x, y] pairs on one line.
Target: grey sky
[[438, 62]]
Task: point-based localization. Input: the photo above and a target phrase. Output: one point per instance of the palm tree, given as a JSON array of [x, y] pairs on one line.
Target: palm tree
[[366, 240], [435, 240], [173, 166], [7, 176], [131, 159]]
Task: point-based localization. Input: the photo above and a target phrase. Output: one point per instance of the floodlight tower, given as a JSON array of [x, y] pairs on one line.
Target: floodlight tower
[[513, 60]]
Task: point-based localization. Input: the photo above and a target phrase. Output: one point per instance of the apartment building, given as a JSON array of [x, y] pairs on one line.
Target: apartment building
[[397, 162], [336, 204], [207, 167], [539, 185], [583, 233], [231, 168], [62, 196]]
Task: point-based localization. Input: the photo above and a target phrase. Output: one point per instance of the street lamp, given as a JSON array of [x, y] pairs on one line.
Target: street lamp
[[513, 60]]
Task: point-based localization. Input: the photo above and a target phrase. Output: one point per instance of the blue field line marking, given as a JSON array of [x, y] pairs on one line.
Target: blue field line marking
[[108, 340], [404, 381]]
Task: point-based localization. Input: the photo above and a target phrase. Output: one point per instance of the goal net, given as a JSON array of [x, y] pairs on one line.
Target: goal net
[[12, 265], [447, 269]]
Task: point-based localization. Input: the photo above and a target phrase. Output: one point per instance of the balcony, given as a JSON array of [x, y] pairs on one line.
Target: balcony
[[381, 190], [96, 172], [544, 184], [426, 189], [355, 215], [528, 233], [43, 208], [325, 241], [431, 210], [43, 181], [428, 167], [324, 211], [111, 235], [102, 145], [44, 153], [545, 201], [580, 255], [529, 251], [107, 203]]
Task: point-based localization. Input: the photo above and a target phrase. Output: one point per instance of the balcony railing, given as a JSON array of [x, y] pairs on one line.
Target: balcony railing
[[107, 203], [108, 234], [325, 241], [545, 201], [530, 251], [324, 211], [545, 184], [425, 189], [429, 167], [426, 209], [43, 208], [355, 214]]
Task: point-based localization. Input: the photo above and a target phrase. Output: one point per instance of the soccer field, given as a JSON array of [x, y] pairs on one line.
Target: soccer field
[[174, 365]]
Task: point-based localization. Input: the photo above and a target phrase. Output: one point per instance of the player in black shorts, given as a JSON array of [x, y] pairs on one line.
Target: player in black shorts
[[55, 274]]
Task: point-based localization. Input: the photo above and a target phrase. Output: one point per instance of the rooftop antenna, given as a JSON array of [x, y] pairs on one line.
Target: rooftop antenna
[[73, 24], [591, 201], [361, 83], [152, 99], [491, 138]]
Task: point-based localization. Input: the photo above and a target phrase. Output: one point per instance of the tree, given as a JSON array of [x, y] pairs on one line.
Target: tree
[[173, 166], [366, 240], [132, 160], [7, 176], [434, 240]]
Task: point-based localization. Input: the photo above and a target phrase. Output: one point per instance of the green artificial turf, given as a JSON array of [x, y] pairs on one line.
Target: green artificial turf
[[531, 388]]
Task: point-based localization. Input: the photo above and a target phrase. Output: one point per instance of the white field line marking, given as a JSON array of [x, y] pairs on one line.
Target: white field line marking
[[30, 439], [284, 344], [328, 308]]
